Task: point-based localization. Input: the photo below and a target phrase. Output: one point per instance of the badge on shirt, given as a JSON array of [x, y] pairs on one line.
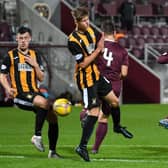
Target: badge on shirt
[[29, 96], [3, 67]]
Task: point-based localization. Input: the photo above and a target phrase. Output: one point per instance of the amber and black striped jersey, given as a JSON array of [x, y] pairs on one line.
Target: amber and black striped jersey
[[22, 75], [81, 46]]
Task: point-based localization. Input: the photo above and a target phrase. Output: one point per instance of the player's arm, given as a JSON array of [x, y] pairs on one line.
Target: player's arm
[[95, 53], [4, 81], [124, 71], [76, 50], [37, 65], [124, 66], [39, 73], [4, 77], [92, 57]]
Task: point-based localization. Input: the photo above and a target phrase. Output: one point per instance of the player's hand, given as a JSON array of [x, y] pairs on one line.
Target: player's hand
[[31, 61], [11, 92]]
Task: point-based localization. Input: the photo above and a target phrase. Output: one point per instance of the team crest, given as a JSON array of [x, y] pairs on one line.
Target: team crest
[[94, 101], [29, 96]]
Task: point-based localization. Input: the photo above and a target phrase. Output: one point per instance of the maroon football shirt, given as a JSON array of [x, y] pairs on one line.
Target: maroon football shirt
[[163, 59], [111, 60]]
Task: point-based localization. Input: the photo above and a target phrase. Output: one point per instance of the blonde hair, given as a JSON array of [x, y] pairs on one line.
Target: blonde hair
[[79, 13]]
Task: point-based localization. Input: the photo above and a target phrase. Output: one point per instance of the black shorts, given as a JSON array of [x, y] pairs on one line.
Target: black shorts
[[25, 100], [91, 95], [106, 108]]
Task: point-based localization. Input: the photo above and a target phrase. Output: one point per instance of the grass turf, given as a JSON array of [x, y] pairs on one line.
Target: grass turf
[[148, 148]]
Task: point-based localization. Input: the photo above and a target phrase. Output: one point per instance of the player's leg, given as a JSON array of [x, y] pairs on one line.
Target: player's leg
[[164, 122], [115, 113], [87, 130], [89, 94], [53, 133], [105, 90], [41, 108], [110, 99], [101, 132], [83, 116], [37, 103]]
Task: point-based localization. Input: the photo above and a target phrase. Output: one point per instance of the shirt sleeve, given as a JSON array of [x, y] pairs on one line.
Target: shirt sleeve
[[125, 58], [5, 65], [76, 51], [39, 61], [163, 59]]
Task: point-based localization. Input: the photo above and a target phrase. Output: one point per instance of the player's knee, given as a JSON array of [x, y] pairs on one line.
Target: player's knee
[[115, 103], [41, 102], [94, 111], [45, 104], [103, 119]]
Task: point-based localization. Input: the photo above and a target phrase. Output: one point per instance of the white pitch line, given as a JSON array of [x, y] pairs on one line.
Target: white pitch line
[[129, 160], [73, 145], [12, 157]]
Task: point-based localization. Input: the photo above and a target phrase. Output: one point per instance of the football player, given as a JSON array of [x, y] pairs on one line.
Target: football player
[[85, 46], [113, 64], [163, 59], [25, 69]]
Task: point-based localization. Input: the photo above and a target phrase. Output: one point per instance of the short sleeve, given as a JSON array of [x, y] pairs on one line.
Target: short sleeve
[[39, 61], [76, 51], [5, 65]]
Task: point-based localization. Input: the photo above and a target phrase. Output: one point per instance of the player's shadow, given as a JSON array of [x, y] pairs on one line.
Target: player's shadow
[[65, 153], [69, 153], [148, 152]]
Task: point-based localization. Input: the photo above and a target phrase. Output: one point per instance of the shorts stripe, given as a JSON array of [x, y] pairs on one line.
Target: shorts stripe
[[23, 102], [85, 97]]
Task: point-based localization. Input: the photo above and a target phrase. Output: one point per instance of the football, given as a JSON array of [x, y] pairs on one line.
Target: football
[[62, 107]]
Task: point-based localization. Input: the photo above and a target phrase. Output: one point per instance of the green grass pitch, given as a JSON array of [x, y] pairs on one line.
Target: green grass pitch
[[148, 148]]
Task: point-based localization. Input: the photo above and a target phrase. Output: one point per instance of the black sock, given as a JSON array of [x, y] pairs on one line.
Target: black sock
[[53, 133], [40, 118], [115, 112], [87, 130]]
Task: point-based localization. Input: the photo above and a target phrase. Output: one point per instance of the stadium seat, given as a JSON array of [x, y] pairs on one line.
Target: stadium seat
[[165, 10], [159, 46], [159, 40], [131, 41], [136, 31], [137, 52], [144, 10], [111, 8], [145, 30], [119, 2], [166, 40], [150, 39], [5, 32], [101, 9], [163, 31], [155, 31], [140, 42], [157, 1]]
